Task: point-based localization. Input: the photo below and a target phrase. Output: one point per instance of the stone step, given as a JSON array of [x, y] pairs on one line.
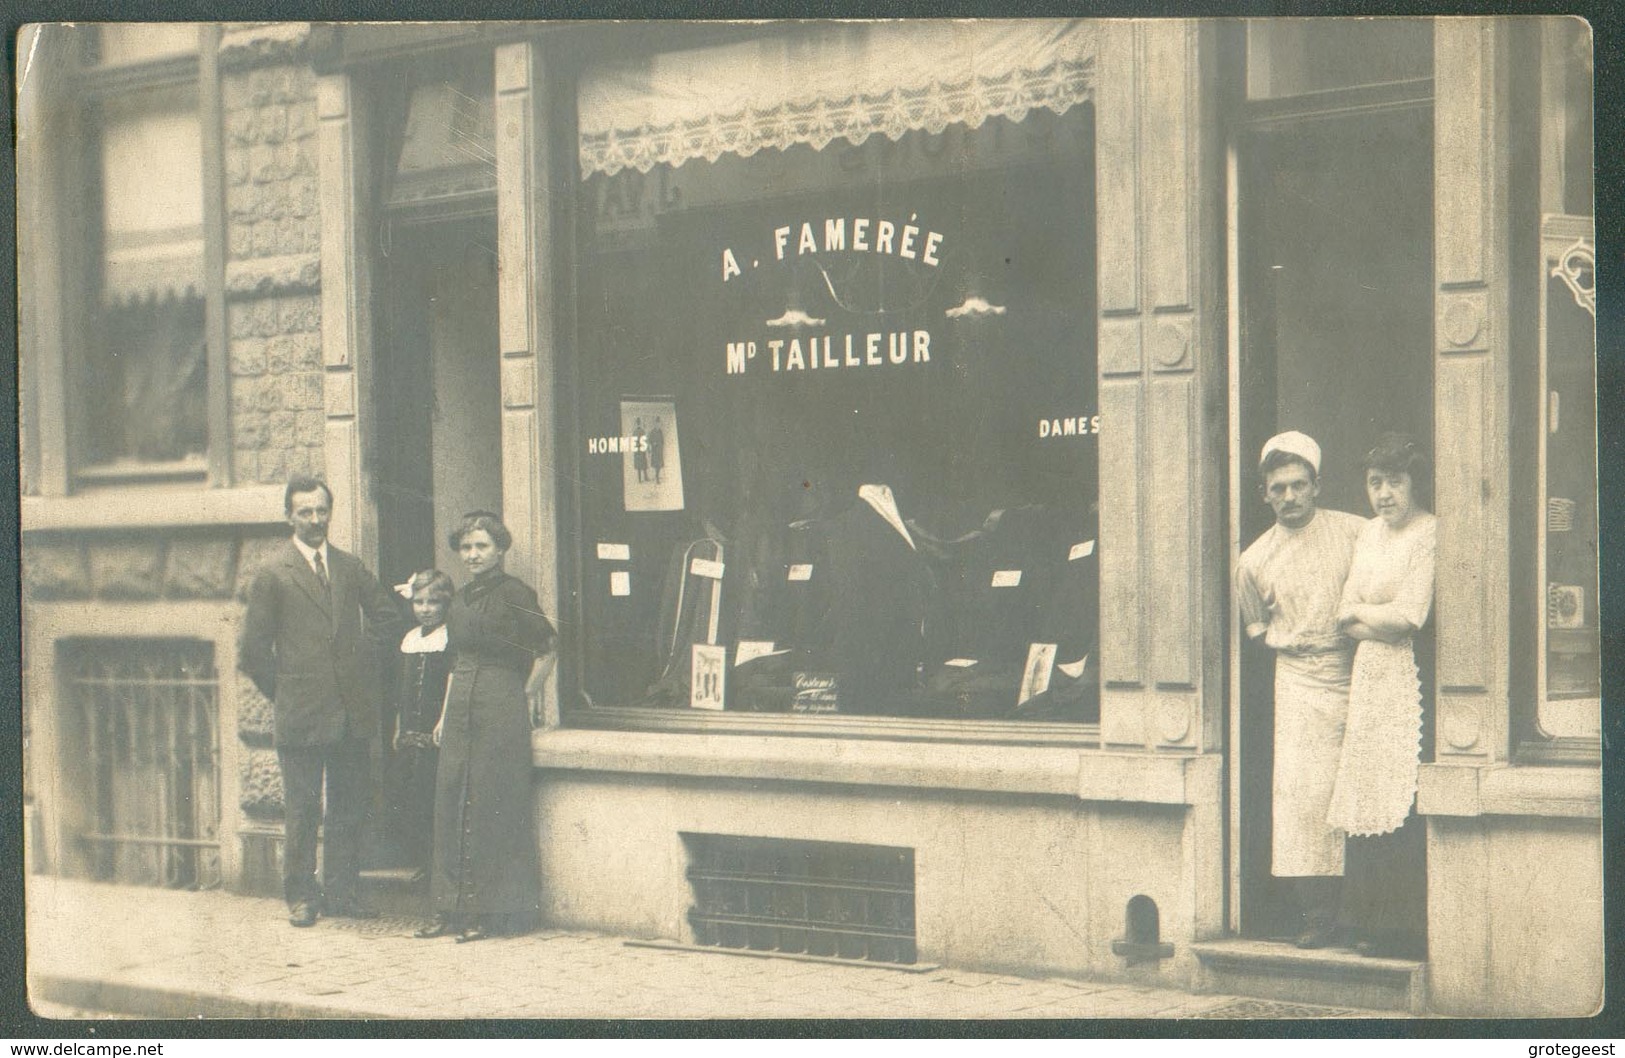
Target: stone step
[[1328, 976]]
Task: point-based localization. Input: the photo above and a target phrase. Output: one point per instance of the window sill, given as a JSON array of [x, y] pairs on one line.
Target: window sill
[[1509, 790], [1560, 750], [1087, 775], [115, 79], [837, 725], [132, 471], [156, 506]]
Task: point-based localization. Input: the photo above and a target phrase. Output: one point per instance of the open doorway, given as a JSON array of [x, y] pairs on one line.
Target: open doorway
[[440, 429], [437, 382], [1333, 280], [439, 453]]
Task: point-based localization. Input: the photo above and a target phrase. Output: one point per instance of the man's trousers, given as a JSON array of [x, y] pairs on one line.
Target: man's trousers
[[345, 769]]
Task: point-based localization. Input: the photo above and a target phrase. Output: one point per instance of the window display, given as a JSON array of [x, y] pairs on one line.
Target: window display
[[1571, 659], [882, 358]]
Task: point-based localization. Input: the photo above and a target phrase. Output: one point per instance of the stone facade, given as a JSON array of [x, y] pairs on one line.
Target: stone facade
[[273, 271], [150, 566], [127, 570], [255, 716], [200, 568], [256, 551], [261, 787], [55, 569]]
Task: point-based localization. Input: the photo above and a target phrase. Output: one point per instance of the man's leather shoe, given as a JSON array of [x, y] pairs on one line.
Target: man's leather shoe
[[442, 926], [302, 914], [474, 933], [351, 911]]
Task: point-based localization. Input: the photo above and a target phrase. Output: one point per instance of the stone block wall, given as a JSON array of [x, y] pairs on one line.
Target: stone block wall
[[130, 566], [273, 270], [273, 316]]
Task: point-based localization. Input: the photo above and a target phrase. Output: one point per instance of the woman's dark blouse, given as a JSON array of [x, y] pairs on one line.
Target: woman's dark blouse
[[497, 620]]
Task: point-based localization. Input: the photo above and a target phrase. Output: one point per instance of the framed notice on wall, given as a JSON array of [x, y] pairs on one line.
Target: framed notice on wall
[[652, 467]]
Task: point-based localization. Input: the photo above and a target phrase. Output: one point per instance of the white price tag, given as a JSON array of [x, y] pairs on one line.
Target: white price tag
[[614, 552], [1083, 550], [801, 572], [620, 582], [1006, 578], [751, 649], [705, 567], [1074, 668]]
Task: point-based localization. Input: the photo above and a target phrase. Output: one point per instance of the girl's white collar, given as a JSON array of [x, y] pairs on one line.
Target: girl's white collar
[[416, 642]]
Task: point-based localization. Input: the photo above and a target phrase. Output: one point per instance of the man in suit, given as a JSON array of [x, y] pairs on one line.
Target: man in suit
[[301, 644]]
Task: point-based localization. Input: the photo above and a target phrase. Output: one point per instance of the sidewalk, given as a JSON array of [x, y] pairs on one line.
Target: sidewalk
[[156, 953]]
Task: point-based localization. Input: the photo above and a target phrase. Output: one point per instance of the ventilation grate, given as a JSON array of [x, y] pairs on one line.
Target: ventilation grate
[[802, 897]]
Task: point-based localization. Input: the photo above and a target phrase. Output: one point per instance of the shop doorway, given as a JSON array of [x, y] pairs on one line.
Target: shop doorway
[[1331, 286], [439, 385], [439, 452]]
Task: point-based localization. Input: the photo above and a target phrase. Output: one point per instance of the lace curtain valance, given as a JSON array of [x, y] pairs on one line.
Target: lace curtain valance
[[814, 84]]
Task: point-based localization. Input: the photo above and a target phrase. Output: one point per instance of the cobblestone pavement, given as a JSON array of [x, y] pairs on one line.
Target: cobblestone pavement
[[156, 953]]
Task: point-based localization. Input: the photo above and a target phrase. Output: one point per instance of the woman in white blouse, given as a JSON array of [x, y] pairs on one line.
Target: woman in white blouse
[[1385, 603]]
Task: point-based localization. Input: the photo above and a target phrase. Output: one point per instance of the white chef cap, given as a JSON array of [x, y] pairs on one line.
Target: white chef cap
[[1293, 443]]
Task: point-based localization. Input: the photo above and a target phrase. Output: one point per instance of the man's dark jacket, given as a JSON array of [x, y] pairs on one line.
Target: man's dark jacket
[[303, 646]]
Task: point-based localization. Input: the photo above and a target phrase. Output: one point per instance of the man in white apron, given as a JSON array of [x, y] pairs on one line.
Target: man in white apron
[[1289, 582]]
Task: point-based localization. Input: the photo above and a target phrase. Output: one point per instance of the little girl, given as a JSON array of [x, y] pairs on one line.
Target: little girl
[[421, 689]]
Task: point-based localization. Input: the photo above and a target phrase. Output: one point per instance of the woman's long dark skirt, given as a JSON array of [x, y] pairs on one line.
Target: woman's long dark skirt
[[1385, 878], [486, 863], [1385, 898]]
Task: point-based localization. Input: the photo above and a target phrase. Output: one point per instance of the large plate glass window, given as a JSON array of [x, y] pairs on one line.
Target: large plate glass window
[[1570, 661], [836, 402], [1562, 399]]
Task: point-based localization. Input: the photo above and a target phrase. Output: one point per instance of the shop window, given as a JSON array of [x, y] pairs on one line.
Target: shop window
[[1570, 680], [1555, 549], [837, 410], [141, 727]]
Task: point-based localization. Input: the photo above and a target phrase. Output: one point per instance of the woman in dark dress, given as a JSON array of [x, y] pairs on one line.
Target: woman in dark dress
[[485, 877]]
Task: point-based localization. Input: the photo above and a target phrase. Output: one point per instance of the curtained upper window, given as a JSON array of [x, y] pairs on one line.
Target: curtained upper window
[[152, 198], [145, 368]]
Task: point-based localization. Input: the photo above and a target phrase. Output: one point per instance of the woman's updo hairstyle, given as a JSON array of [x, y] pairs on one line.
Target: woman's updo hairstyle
[[1398, 453], [488, 521]]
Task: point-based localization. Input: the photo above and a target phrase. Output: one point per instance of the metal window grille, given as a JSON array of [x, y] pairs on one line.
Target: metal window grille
[[804, 897], [143, 729]]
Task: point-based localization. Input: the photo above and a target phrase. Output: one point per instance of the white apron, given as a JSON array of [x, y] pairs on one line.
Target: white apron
[[1311, 710], [1376, 777]]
